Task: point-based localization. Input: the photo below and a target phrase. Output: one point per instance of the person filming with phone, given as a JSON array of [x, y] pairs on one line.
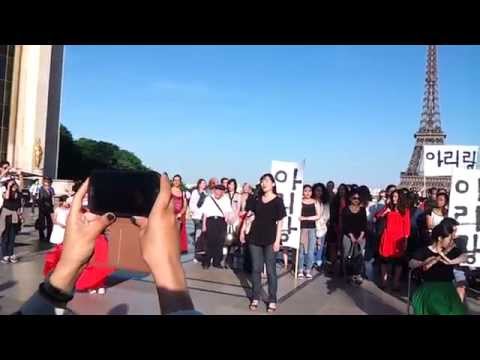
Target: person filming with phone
[[160, 249]]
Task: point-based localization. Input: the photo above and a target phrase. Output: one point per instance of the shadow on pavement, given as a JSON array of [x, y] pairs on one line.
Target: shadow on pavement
[[120, 309], [7, 285]]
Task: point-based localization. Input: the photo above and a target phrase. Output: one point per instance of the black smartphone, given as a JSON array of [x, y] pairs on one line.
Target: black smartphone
[[122, 192]]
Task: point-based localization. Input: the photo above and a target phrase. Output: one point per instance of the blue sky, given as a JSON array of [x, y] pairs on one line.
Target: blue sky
[[203, 111]]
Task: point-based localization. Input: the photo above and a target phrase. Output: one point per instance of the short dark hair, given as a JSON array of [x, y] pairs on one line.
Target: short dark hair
[[174, 176], [272, 179], [46, 178], [63, 198], [223, 179], [3, 163], [430, 191]]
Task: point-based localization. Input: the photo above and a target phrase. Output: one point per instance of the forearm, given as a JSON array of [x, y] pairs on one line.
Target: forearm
[[171, 285], [279, 231], [459, 260]]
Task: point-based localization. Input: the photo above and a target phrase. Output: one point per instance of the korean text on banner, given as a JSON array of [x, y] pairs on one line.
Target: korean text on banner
[[465, 208], [442, 160], [289, 180]]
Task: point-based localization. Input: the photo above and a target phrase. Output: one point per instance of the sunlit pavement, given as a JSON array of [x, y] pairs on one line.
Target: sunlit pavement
[[214, 291]]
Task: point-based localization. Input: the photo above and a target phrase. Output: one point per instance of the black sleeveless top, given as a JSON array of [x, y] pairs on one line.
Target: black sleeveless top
[[308, 210]]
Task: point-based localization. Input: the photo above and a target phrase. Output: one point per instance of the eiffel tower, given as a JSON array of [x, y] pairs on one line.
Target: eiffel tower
[[430, 132]]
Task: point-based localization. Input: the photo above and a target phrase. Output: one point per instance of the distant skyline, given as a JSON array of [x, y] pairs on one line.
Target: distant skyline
[[204, 111]]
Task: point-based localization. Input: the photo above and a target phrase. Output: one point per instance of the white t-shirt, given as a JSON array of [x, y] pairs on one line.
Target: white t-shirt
[[210, 209], [196, 212]]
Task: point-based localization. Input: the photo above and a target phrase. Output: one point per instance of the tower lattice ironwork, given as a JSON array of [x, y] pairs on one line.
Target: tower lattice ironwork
[[430, 131]]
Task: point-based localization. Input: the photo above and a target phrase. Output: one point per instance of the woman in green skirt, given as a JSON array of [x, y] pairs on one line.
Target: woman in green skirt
[[437, 294]]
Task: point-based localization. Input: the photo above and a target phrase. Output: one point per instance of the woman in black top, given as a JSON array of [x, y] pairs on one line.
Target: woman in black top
[[310, 214], [10, 218], [437, 294], [264, 240], [354, 229]]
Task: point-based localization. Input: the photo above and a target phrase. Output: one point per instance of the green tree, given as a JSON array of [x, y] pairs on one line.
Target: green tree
[[79, 157]]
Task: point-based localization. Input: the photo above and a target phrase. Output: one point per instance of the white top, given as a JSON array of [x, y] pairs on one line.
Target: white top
[[2, 191], [196, 213], [436, 219], [58, 231], [210, 209]]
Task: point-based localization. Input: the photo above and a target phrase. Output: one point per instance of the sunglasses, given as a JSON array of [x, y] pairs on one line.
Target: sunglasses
[[355, 198]]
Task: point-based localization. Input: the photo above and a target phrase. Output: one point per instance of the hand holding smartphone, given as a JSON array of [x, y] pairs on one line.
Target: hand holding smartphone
[[125, 194]]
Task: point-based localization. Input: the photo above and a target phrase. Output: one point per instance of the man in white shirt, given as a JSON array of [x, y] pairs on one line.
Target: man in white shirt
[[217, 211]]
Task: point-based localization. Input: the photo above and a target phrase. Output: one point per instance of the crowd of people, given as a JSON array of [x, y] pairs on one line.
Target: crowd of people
[[342, 231]]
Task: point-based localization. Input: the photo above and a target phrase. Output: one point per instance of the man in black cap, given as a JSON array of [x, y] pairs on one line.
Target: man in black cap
[[217, 211]]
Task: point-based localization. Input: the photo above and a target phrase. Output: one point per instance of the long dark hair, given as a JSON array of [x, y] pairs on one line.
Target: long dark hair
[[325, 194], [445, 195], [402, 202], [199, 182], [270, 176]]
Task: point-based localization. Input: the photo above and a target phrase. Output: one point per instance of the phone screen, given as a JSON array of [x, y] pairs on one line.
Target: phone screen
[[124, 193]]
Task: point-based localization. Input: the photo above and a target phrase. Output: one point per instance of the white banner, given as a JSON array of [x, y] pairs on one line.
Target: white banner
[[465, 208], [289, 180], [442, 160]]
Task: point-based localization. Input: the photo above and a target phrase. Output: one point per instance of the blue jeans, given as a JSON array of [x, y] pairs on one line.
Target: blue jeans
[[263, 255], [305, 258], [319, 253]]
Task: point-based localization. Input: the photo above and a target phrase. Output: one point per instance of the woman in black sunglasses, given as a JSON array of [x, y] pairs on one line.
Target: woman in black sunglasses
[[354, 230]]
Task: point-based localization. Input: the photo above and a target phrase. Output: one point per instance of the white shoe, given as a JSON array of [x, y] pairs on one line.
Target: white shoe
[[13, 259], [91, 292], [101, 291], [5, 260], [301, 276]]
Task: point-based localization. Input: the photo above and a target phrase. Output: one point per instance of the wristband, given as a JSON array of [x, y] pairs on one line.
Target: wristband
[[53, 294]]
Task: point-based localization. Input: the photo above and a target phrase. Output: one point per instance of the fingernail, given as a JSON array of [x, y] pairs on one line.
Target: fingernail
[[111, 217]]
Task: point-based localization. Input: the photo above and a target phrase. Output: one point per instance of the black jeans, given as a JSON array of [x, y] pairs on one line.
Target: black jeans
[[264, 255], [44, 221], [216, 231], [8, 237]]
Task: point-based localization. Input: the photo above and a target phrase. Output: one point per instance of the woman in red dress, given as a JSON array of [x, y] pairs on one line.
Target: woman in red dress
[[393, 241], [180, 208], [94, 275]]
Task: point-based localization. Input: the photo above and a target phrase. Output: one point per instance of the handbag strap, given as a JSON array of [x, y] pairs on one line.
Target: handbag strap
[[218, 206]]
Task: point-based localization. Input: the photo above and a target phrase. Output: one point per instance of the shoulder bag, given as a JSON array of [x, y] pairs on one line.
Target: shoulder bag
[[231, 236]]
